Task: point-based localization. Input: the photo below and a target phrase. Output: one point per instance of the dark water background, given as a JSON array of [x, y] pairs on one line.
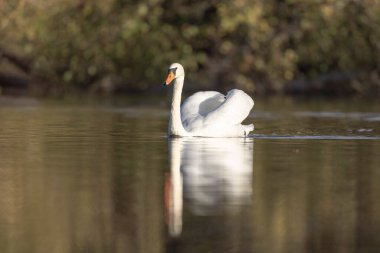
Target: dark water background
[[85, 177]]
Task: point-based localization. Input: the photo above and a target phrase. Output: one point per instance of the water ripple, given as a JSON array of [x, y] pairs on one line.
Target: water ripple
[[314, 137], [366, 116]]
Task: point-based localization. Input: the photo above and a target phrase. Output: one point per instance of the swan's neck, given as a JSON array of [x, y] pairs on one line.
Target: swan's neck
[[175, 124]]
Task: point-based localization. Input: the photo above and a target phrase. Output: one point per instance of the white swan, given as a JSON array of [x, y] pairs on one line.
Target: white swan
[[207, 113]]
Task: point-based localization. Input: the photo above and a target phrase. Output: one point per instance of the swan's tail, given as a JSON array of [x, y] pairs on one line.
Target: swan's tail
[[248, 128]]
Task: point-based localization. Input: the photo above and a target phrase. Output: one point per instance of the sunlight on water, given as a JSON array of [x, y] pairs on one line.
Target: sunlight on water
[[107, 179]]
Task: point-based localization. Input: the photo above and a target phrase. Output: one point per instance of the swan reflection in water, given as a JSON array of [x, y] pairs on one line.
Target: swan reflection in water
[[208, 173]]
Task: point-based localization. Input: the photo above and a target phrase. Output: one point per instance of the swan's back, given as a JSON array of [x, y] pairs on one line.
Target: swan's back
[[232, 111], [199, 105], [211, 113]]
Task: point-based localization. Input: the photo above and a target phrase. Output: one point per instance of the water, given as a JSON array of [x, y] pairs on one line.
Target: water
[[104, 178]]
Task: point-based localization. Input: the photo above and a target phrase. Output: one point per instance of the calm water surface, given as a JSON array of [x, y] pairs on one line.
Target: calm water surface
[[105, 178]]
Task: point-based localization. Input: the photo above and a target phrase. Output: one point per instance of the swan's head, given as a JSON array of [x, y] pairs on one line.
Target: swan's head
[[175, 71]]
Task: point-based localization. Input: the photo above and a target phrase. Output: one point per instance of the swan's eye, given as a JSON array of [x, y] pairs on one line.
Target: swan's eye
[[172, 70]]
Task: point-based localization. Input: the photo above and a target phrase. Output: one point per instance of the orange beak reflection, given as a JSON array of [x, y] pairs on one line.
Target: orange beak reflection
[[170, 78]]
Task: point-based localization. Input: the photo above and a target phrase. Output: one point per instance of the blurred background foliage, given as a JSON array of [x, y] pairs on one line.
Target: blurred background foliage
[[261, 46]]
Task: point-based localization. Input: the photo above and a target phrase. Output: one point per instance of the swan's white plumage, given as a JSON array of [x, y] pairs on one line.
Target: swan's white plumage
[[199, 105], [232, 111], [208, 113]]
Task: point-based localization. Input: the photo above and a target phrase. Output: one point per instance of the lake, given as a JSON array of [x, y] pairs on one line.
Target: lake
[[104, 177]]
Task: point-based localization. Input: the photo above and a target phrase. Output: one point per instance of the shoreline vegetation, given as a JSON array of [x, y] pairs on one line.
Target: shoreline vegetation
[[278, 47]]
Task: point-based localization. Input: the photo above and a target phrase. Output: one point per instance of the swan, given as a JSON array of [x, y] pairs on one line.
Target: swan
[[207, 113]]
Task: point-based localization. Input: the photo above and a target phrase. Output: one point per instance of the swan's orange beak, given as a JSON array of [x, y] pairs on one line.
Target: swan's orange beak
[[170, 78]]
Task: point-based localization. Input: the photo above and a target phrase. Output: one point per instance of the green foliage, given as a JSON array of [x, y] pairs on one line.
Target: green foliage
[[257, 45], [281, 41]]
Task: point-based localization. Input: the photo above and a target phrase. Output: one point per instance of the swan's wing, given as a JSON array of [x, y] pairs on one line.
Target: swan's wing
[[232, 111], [200, 104]]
